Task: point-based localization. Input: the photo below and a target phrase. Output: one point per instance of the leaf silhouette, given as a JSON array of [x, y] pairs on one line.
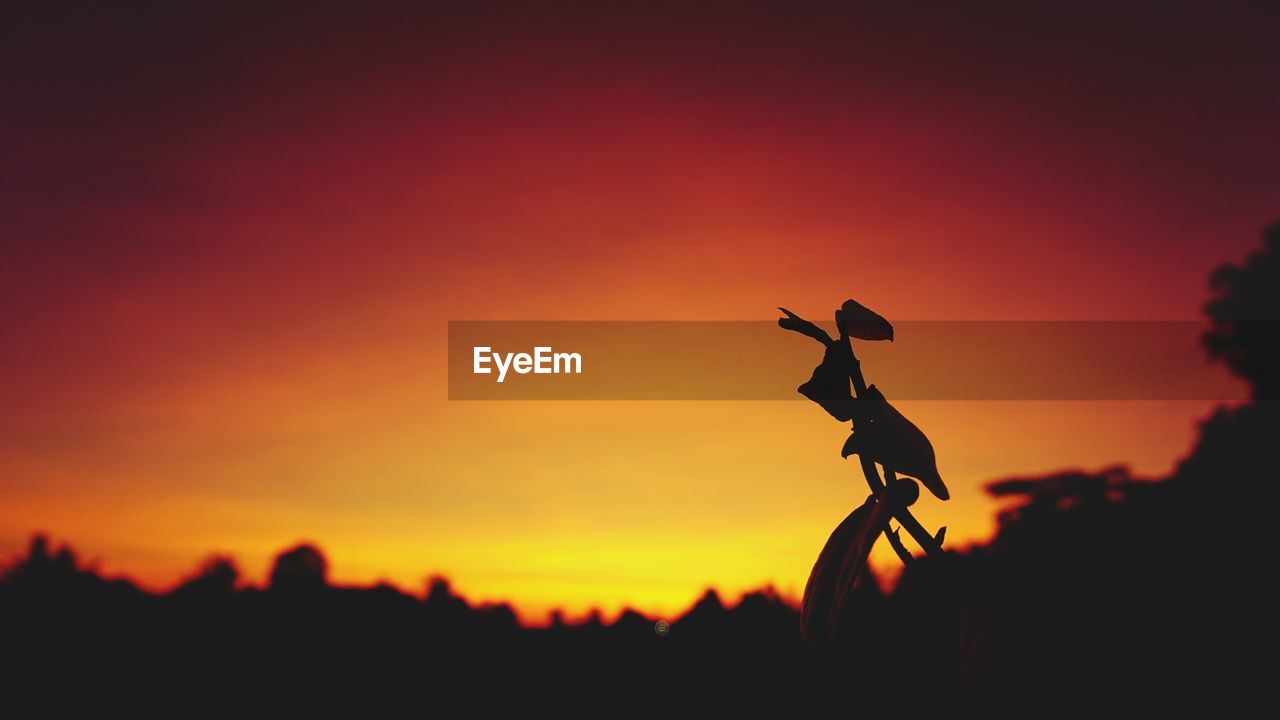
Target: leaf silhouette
[[804, 327], [829, 384]]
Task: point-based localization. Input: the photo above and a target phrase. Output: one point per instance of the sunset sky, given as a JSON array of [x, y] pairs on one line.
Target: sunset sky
[[232, 240]]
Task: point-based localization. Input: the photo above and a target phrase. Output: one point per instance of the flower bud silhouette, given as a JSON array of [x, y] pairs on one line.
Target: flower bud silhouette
[[836, 572], [858, 321], [842, 564]]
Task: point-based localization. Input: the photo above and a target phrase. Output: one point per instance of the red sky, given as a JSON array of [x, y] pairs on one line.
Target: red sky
[[232, 239]]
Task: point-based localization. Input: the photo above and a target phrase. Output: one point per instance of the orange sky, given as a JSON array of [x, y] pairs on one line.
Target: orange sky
[[232, 243]]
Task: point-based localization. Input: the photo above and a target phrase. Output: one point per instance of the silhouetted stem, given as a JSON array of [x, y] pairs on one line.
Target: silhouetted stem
[[917, 531], [896, 543], [913, 527], [860, 392]]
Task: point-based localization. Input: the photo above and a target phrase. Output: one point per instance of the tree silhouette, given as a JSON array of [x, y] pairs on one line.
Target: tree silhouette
[[1245, 310]]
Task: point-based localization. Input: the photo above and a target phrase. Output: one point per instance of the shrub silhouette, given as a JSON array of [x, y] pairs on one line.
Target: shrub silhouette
[[302, 568], [217, 575]]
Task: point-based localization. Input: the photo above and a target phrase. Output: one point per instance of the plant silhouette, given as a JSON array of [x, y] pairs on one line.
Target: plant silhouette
[[880, 435]]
